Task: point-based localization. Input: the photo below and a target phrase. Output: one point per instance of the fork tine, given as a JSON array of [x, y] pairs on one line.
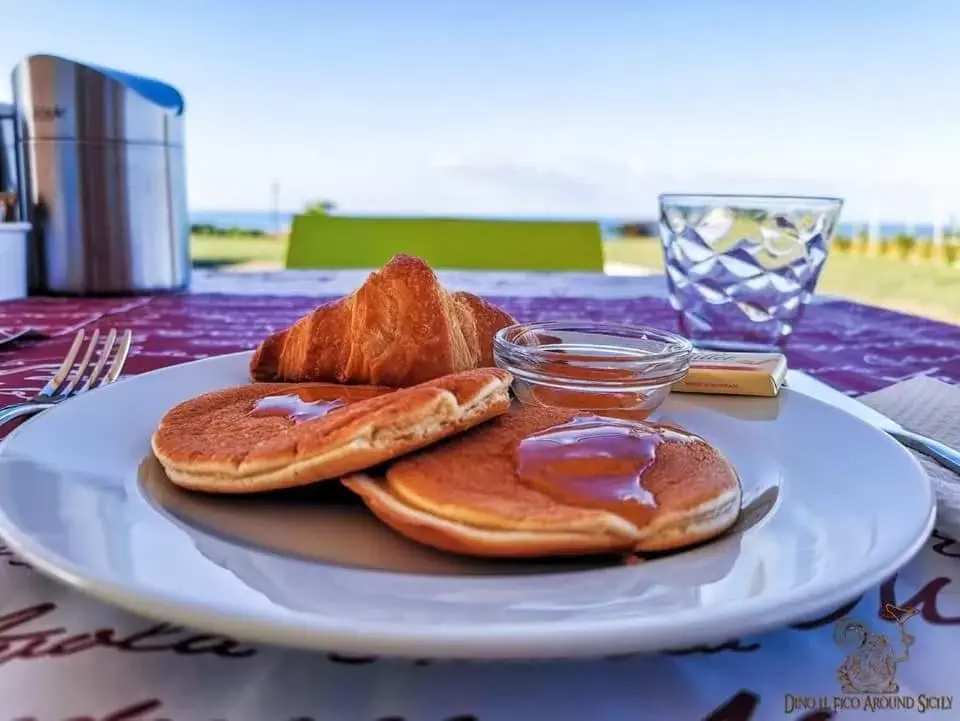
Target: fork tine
[[78, 372], [61, 374], [101, 361], [120, 359]]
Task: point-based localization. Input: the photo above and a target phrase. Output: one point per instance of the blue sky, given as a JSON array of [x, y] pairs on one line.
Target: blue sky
[[536, 106]]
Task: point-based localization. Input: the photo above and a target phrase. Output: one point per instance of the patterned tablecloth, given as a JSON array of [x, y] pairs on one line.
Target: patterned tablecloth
[[64, 656]]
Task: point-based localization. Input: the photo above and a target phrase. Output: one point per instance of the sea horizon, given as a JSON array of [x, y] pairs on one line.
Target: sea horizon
[[280, 221]]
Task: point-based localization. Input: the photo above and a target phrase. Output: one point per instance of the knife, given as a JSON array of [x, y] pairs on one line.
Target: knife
[[25, 334], [940, 452]]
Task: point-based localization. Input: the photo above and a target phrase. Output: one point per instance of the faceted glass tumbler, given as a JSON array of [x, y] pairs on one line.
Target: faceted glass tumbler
[[741, 269]]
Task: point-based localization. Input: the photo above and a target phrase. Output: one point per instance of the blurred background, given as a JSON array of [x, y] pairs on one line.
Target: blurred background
[[559, 109]]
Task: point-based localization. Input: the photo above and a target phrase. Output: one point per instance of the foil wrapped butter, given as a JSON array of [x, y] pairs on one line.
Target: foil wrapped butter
[[736, 374]]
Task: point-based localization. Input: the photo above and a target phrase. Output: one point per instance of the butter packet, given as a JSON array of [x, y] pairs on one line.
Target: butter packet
[[736, 374]]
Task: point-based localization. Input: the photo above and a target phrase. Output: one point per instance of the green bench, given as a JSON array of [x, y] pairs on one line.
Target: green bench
[[318, 240]]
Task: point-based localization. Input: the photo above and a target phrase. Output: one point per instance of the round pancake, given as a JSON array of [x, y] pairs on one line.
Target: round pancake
[[464, 495], [217, 443]]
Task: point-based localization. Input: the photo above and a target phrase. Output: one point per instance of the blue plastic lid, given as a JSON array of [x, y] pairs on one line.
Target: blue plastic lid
[[160, 93]]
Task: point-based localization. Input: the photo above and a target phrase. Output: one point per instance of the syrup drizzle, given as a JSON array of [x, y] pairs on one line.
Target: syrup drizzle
[[593, 462], [293, 407]]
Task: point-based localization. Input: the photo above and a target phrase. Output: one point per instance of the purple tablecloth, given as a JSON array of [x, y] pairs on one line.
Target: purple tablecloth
[[65, 656], [852, 347]]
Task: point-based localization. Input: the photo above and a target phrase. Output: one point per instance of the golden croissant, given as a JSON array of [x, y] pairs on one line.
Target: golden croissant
[[400, 328]]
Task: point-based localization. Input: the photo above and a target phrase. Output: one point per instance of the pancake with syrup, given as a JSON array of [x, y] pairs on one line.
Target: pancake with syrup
[[270, 436], [541, 481]]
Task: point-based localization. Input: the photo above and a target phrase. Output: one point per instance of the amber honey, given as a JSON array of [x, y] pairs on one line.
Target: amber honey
[[608, 369], [293, 407], [593, 462]]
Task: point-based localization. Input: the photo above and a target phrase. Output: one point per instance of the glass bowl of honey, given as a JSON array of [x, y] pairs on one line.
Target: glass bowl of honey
[[605, 368]]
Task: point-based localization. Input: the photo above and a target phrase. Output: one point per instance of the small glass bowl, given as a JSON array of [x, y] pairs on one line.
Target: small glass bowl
[[606, 368]]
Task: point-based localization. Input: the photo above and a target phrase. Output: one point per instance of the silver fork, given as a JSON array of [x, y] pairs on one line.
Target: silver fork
[[72, 377]]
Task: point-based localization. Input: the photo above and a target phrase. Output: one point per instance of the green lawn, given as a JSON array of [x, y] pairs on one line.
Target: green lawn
[[238, 251], [922, 288]]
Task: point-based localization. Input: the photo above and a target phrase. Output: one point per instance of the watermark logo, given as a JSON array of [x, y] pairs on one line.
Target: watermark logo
[[872, 658], [867, 677]]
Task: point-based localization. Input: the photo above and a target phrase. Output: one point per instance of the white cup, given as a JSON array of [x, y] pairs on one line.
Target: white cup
[[13, 260]]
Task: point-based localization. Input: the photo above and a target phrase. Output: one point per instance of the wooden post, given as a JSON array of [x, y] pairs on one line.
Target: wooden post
[[275, 206]]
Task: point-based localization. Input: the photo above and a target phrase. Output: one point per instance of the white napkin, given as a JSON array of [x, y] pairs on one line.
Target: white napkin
[[931, 407]]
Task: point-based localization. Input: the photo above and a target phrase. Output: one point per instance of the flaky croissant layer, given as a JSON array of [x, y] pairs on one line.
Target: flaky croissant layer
[[400, 328]]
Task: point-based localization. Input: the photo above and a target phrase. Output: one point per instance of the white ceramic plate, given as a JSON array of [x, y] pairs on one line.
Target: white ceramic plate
[[834, 507]]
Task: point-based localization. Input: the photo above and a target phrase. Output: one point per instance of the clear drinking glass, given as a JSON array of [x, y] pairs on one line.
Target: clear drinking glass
[[739, 268]]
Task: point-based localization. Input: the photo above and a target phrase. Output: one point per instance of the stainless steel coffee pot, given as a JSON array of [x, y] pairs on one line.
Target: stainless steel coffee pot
[[100, 161]]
